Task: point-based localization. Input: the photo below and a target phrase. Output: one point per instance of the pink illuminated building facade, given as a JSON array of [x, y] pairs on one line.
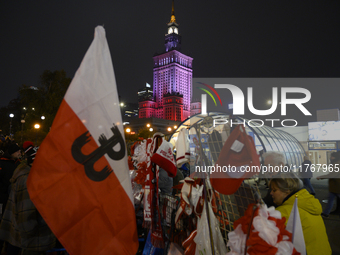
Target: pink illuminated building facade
[[172, 79]]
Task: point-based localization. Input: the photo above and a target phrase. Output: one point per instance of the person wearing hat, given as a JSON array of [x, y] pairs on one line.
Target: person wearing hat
[[22, 225], [333, 182]]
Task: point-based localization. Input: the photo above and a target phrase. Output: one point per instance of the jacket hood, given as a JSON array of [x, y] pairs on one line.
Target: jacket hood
[[22, 169], [306, 202]]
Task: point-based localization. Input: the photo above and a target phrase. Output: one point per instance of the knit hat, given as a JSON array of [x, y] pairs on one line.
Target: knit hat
[[30, 151], [165, 159], [12, 148], [26, 144]]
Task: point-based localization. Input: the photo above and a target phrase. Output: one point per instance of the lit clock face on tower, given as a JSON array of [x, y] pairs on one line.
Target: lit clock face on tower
[[176, 31], [170, 31]]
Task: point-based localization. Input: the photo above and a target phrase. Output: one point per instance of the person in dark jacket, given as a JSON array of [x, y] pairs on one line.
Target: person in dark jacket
[[22, 225], [8, 162], [333, 182], [306, 174]]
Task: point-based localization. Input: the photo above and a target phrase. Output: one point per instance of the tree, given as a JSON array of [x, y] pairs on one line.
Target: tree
[[6, 121], [43, 100]]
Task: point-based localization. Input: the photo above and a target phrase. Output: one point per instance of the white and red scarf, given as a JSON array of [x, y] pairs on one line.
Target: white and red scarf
[[158, 154]]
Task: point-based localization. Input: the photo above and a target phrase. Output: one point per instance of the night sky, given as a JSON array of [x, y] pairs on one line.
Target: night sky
[[225, 38]]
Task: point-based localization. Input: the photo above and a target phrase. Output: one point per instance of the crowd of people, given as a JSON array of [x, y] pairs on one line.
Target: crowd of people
[[23, 231]]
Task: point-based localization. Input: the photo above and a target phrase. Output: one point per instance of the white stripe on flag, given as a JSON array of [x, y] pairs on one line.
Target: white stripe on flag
[[294, 226], [97, 106]]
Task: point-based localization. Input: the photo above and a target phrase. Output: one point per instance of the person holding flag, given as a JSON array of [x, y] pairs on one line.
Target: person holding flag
[[22, 226], [285, 188], [80, 179]]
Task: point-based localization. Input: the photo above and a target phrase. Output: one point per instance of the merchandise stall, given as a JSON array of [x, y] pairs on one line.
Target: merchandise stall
[[202, 213]]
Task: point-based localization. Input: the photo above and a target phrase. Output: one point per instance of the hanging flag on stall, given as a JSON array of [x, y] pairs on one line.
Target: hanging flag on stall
[[80, 180], [238, 160], [294, 226]]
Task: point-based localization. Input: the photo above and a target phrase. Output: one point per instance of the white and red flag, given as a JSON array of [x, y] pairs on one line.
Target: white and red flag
[[238, 160], [80, 180], [294, 226]]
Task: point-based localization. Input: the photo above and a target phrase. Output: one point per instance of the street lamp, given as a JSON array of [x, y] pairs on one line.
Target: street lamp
[[169, 129], [150, 129], [36, 126], [11, 115], [23, 116], [22, 128], [128, 130], [42, 117]]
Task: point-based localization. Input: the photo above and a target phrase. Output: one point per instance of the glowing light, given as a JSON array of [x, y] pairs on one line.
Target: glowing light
[[128, 130], [36, 126]]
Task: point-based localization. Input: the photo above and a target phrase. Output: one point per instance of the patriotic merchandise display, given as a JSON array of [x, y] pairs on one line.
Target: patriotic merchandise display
[[148, 156], [260, 231], [83, 183]]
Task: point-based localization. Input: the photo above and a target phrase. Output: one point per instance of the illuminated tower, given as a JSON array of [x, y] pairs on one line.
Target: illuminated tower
[[172, 78]]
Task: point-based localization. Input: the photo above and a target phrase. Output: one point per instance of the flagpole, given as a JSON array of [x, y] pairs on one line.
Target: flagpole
[[294, 226], [203, 157], [294, 221], [249, 228], [208, 216]]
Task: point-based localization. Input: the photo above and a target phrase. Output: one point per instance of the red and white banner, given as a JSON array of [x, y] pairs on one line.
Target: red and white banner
[[238, 155], [80, 180]]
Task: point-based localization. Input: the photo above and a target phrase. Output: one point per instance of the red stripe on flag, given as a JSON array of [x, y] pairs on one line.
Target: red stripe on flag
[[87, 217]]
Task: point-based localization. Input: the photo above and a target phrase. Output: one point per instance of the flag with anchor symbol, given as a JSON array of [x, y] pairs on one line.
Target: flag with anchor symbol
[[80, 180]]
